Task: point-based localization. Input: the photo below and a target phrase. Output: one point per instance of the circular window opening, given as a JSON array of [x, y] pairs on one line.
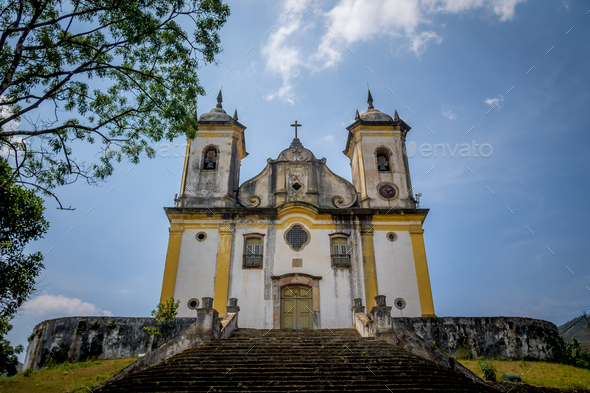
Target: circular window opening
[[193, 304], [392, 236], [201, 236], [297, 237], [400, 303], [296, 186]]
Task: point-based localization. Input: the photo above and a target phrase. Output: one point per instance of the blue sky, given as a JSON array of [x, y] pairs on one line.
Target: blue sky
[[506, 234]]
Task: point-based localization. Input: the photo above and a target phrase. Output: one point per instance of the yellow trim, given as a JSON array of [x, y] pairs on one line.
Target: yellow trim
[[369, 269], [171, 268], [361, 169], [361, 128], [424, 290], [310, 224], [379, 134], [290, 209], [223, 266], [408, 218], [184, 170]]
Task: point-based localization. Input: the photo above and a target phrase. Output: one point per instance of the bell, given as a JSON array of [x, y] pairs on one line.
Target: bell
[[210, 165], [383, 168]]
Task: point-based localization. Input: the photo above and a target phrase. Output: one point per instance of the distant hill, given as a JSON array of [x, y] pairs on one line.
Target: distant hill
[[576, 328]]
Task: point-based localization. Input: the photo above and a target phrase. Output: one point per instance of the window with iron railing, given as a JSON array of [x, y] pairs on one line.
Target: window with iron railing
[[253, 252], [340, 252]]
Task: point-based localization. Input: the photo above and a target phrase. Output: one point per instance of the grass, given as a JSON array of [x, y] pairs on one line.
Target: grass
[[538, 373], [65, 378]]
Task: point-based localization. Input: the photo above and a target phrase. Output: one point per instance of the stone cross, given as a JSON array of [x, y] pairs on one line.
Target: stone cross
[[296, 125]]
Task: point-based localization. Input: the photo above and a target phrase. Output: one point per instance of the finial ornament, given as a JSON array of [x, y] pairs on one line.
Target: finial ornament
[[370, 100], [396, 116], [236, 115], [219, 100], [296, 125], [356, 115]]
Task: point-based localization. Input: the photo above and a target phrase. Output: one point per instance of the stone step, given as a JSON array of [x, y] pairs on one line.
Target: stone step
[[295, 361]]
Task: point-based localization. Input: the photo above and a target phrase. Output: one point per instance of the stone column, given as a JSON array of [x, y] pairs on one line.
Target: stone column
[[207, 319], [381, 315], [233, 308], [358, 306]]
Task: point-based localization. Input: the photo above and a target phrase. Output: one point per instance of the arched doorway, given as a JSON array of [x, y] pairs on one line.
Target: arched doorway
[[296, 307]]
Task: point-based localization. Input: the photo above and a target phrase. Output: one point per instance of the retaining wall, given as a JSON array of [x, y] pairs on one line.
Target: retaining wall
[[75, 339]]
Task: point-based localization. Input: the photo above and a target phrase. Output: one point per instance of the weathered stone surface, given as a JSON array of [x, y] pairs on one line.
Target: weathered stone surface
[[329, 360], [205, 329], [493, 337], [80, 338], [296, 175], [386, 329]]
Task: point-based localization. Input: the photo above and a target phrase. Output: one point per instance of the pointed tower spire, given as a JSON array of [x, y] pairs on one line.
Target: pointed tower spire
[[236, 115], [369, 100], [219, 100], [396, 116], [357, 116]]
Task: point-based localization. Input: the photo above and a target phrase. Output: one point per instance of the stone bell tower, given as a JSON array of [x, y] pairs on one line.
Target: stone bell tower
[[212, 166], [376, 147]]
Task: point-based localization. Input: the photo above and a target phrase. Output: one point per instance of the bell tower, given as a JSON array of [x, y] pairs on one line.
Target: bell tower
[[212, 165], [376, 147]]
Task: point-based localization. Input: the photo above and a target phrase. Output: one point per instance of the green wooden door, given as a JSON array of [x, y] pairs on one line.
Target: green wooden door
[[296, 307]]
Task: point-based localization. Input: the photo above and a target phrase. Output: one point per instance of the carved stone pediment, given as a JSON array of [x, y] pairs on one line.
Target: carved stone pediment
[[296, 175]]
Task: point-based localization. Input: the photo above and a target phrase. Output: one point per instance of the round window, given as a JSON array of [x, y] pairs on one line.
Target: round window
[[201, 236], [392, 236], [193, 304], [400, 303]]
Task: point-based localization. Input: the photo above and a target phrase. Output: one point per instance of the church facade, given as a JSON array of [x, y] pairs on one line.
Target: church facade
[[297, 243]]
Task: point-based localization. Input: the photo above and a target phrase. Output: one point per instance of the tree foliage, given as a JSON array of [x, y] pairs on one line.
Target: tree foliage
[[21, 221], [8, 359], [568, 353], [119, 73], [163, 312]]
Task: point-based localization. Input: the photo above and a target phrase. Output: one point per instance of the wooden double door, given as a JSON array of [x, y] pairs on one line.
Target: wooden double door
[[296, 307]]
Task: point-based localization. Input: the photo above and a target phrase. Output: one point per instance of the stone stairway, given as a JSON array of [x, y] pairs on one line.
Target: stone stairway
[[325, 360]]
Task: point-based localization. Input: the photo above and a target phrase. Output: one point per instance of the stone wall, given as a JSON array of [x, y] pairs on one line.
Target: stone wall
[[494, 337], [76, 339]]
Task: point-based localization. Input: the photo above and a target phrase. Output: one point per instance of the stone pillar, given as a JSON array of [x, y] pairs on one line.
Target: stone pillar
[[207, 316], [358, 306], [233, 305], [233, 308], [381, 315]]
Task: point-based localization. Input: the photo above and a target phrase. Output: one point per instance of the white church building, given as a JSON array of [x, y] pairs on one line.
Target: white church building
[[297, 243]]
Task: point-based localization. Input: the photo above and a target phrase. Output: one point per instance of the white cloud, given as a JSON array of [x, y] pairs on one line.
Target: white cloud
[[404, 22], [12, 125], [282, 57], [448, 113], [420, 41], [496, 102], [328, 138], [45, 304]]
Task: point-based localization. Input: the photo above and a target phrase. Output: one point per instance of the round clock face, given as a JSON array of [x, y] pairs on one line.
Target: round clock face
[[387, 191]]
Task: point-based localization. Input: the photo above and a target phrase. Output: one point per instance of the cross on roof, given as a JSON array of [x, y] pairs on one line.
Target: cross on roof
[[296, 125]]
